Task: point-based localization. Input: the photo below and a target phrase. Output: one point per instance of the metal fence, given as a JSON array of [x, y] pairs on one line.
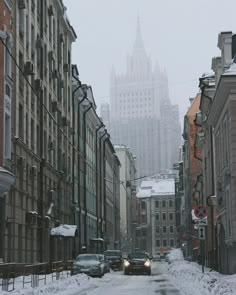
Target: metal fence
[[31, 273]]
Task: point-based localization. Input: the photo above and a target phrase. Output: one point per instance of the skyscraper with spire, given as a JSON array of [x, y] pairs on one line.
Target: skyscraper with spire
[[137, 99]]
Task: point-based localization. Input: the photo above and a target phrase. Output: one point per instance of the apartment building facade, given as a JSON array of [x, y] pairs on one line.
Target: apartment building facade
[[127, 189], [41, 111], [215, 184], [191, 172], [157, 229], [221, 118], [7, 178], [57, 144]]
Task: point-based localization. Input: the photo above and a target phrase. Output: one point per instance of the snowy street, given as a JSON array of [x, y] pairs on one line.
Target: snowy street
[[180, 277], [117, 283]]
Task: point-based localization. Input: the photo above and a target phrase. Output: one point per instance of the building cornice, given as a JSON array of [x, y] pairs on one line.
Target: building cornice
[[226, 86]]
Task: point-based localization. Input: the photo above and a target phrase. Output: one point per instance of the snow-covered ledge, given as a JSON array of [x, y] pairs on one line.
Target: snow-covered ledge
[[64, 230]]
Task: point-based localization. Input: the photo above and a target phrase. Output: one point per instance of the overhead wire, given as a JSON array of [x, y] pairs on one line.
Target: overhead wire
[[59, 127], [51, 116]]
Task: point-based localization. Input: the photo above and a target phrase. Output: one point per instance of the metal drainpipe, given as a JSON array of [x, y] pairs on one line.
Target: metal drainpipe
[[104, 167], [42, 163], [215, 258], [100, 182], [41, 151], [85, 177], [79, 200], [73, 152], [97, 175]]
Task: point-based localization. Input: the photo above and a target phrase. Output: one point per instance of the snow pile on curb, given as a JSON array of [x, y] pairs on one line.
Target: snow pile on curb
[[190, 273], [66, 286]]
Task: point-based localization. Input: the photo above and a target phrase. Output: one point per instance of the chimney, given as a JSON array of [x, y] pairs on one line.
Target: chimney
[[225, 45], [234, 46], [216, 66]]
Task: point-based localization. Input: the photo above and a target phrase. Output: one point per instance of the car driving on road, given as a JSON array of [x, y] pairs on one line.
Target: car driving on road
[[137, 263], [115, 259], [90, 264]]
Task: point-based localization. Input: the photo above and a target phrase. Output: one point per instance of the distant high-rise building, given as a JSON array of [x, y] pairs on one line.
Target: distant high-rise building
[[142, 116]]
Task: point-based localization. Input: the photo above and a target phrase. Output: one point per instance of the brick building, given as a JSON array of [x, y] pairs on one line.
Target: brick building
[[192, 174]]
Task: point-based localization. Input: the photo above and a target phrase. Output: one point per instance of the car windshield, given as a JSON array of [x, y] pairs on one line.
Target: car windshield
[[112, 253], [137, 255], [86, 257]]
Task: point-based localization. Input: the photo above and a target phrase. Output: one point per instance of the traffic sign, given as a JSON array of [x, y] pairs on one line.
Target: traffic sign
[[201, 222], [198, 221], [202, 233], [200, 211]]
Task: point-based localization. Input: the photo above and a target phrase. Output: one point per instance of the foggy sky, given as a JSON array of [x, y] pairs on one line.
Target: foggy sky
[[180, 35]]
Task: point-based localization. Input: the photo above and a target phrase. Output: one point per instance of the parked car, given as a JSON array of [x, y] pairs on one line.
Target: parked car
[[90, 264], [106, 263], [115, 259], [137, 263]]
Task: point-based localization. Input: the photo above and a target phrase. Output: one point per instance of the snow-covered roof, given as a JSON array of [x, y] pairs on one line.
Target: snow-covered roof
[[231, 70], [64, 230], [157, 187]]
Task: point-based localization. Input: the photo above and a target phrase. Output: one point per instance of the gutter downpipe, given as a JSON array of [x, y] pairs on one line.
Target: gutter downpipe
[[97, 175], [85, 177], [104, 167], [100, 182], [79, 199], [73, 154]]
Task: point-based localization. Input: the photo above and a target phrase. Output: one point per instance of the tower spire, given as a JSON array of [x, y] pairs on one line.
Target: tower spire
[[139, 40]]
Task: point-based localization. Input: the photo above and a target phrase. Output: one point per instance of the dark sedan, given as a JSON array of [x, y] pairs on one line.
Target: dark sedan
[[115, 259], [137, 263]]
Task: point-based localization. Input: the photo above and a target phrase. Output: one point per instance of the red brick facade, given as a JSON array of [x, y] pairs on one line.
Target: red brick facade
[[5, 23], [196, 167]]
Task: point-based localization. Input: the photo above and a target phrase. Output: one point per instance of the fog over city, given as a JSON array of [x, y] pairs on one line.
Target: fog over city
[[117, 147], [180, 35]]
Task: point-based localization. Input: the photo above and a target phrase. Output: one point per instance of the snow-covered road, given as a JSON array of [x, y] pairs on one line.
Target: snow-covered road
[[116, 283], [180, 277]]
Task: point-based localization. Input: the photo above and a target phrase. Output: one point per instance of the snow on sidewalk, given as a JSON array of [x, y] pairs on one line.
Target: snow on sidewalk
[[189, 275], [65, 285]]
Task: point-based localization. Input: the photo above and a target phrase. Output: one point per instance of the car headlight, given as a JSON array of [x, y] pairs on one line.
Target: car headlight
[[126, 263], [147, 263]]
